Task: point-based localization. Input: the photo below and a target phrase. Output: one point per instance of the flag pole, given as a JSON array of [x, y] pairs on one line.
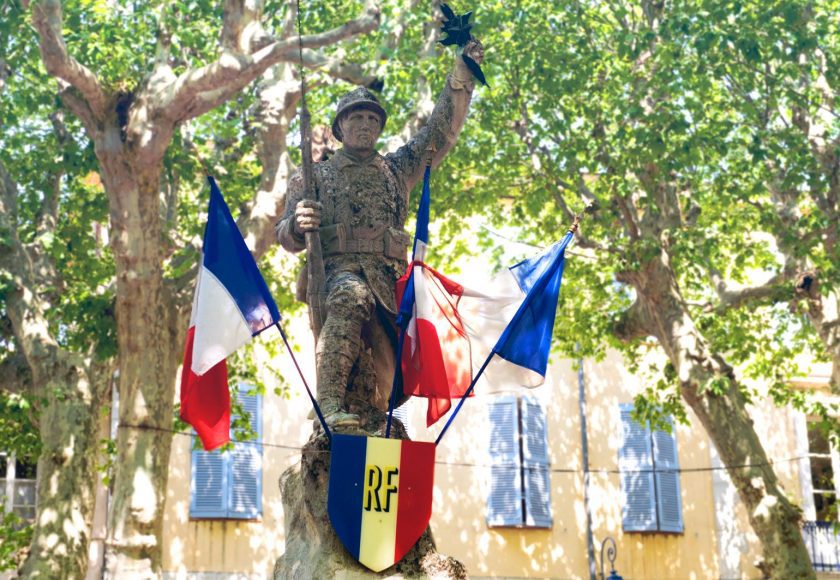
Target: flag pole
[[305, 384], [397, 372]]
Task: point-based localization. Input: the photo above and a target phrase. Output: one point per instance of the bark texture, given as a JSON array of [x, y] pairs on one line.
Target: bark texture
[[312, 548], [72, 387], [67, 473], [148, 335]]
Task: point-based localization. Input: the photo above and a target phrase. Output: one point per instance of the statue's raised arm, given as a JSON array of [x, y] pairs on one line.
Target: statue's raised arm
[[445, 123]]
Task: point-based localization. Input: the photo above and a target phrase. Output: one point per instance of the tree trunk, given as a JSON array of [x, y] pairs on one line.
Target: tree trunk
[[66, 473], [709, 386], [71, 387], [148, 361]]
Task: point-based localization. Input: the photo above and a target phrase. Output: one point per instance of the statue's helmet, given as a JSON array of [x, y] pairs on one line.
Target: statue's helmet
[[360, 98]]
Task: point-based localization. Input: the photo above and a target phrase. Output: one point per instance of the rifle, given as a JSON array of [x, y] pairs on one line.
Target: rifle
[[315, 275]]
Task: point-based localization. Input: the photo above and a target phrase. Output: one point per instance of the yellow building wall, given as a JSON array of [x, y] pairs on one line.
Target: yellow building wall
[[460, 498], [462, 484]]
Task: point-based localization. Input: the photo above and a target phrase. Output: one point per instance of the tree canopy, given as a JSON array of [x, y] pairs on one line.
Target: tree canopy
[[705, 132]]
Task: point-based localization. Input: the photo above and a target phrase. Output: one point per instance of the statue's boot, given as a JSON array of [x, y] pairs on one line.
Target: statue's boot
[[333, 369], [349, 305]]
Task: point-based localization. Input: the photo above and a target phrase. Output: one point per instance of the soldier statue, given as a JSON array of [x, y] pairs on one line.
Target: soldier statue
[[360, 213]]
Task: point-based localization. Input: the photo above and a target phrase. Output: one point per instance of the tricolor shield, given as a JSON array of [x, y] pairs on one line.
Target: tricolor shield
[[380, 496]]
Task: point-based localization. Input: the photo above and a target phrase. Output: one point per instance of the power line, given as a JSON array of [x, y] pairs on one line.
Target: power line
[[595, 471]]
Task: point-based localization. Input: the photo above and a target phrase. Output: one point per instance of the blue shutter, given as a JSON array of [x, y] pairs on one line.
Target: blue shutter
[[504, 504], [667, 475], [535, 464], [245, 489], [635, 462], [208, 482], [401, 413]]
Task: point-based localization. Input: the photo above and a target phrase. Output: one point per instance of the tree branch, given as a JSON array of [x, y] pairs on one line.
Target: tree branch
[[278, 97], [77, 105], [25, 305], [48, 213], [367, 22], [199, 90], [732, 299], [47, 18], [631, 325], [242, 29], [338, 68]]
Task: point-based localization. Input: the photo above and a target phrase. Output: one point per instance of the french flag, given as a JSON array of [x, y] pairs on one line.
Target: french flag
[[517, 317], [452, 329], [432, 333], [232, 304], [513, 318]]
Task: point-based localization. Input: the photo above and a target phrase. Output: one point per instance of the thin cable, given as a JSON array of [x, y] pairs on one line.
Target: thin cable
[[601, 471]]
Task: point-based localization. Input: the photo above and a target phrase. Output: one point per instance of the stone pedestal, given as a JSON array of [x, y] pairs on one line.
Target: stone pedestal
[[313, 551]]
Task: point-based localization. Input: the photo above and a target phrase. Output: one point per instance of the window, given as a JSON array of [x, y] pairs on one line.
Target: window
[[520, 490], [650, 478], [17, 486], [819, 501], [229, 485], [822, 472]]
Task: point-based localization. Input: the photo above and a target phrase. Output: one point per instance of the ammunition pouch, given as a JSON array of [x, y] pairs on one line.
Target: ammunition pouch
[[383, 241]]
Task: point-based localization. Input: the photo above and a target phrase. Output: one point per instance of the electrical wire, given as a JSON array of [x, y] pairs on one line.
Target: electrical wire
[[596, 471]]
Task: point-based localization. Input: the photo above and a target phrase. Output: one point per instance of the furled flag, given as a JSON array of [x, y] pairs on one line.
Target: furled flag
[[232, 304], [435, 355], [455, 328]]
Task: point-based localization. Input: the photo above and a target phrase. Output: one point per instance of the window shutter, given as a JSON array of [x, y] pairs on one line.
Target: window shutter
[[504, 505], [401, 413], [535, 464], [208, 483], [637, 485], [245, 499], [667, 480]]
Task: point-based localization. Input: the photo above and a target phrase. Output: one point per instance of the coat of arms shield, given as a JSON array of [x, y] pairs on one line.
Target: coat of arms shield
[[380, 496]]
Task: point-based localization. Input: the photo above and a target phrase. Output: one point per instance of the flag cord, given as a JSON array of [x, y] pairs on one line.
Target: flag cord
[[305, 384]]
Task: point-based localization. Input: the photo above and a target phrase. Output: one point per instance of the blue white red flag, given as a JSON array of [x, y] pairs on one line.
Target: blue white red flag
[[232, 304], [435, 356], [452, 329], [526, 341], [455, 328]]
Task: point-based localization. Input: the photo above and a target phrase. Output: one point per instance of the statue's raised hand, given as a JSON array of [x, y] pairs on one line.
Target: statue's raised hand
[[468, 61], [475, 50]]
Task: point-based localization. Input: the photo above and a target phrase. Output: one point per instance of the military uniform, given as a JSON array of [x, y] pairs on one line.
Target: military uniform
[[365, 246]]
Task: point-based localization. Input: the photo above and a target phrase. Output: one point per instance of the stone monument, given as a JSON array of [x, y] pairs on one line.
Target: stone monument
[[359, 211]]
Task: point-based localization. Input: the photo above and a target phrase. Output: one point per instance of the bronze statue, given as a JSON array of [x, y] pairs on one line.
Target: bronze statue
[[360, 213]]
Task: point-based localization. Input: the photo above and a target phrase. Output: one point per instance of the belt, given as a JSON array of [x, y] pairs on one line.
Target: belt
[[364, 246], [339, 239]]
